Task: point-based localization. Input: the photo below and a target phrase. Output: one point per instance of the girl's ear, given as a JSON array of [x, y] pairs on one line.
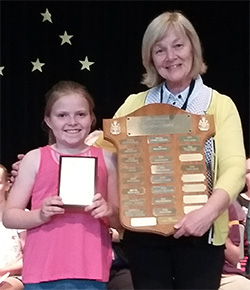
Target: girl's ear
[[47, 121]]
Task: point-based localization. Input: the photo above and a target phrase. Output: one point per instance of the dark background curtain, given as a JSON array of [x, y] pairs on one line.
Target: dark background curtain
[[109, 33]]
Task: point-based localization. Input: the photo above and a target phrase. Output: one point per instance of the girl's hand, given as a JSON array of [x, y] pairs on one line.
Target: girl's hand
[[99, 207], [52, 205]]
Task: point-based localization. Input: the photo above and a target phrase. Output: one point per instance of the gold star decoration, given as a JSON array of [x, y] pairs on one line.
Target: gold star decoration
[[46, 16], [37, 65], [86, 63], [1, 70], [65, 38]]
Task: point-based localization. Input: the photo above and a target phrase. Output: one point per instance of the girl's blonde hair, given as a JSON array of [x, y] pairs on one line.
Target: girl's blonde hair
[[6, 177]]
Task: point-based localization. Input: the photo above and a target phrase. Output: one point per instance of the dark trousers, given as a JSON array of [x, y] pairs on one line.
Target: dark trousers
[[120, 279], [158, 262]]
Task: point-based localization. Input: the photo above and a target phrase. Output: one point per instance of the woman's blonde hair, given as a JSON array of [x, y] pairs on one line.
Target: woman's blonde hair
[[156, 31]]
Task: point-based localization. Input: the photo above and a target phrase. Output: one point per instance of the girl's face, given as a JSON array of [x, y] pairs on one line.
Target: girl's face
[[70, 121], [173, 59], [4, 184]]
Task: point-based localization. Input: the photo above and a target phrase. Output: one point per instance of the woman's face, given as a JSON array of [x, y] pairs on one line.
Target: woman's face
[[173, 59]]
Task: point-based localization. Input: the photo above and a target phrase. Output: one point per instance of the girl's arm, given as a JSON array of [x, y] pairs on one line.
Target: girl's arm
[[14, 215], [16, 267]]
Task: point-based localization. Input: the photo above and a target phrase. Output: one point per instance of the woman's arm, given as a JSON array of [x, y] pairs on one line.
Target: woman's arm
[[230, 169], [198, 222]]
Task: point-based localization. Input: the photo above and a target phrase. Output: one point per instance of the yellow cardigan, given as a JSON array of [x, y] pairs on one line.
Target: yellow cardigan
[[229, 162]]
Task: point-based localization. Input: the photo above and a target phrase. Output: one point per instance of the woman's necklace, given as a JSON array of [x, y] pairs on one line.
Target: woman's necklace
[[184, 106]]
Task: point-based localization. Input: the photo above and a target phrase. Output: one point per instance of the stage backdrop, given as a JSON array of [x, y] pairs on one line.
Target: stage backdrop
[[98, 43]]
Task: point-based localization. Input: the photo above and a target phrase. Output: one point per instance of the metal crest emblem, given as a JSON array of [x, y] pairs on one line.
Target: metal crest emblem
[[203, 124], [115, 128]]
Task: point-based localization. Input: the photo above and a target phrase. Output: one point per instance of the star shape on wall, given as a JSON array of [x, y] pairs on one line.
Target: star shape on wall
[[1, 70], [66, 38], [46, 16], [86, 63], [37, 65]]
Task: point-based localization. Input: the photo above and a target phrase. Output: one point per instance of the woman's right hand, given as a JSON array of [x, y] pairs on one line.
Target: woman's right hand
[[15, 167], [51, 206]]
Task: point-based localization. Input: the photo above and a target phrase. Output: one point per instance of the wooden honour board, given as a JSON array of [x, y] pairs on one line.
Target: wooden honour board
[[161, 165]]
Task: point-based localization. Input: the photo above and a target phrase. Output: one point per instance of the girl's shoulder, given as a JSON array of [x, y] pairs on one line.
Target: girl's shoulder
[[31, 160], [34, 153]]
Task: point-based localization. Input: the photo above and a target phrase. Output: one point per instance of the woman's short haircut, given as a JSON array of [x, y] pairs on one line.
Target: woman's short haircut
[[155, 31]]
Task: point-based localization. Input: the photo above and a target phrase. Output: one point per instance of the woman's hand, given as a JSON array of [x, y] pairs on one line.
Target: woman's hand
[[15, 167], [195, 223], [51, 206], [99, 207]]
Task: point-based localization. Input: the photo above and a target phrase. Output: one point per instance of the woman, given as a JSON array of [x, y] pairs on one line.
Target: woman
[[191, 258]]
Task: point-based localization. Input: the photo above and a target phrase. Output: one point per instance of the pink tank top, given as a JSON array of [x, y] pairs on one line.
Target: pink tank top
[[69, 246]]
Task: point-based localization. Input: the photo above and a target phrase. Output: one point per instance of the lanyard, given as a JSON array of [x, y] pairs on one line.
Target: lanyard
[[191, 87]]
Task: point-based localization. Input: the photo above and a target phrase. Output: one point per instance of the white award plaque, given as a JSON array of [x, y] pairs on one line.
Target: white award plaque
[[77, 176]]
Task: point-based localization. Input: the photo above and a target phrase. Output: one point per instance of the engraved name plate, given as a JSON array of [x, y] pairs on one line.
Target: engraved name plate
[[162, 189], [192, 167], [161, 179], [160, 158], [160, 169], [158, 139], [134, 191], [157, 125], [133, 202], [162, 200]]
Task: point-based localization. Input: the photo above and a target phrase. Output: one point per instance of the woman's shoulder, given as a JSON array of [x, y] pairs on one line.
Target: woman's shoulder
[[220, 102], [219, 98], [133, 102]]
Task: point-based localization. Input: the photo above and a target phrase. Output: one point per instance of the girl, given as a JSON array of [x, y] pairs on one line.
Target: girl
[[66, 248], [11, 244]]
